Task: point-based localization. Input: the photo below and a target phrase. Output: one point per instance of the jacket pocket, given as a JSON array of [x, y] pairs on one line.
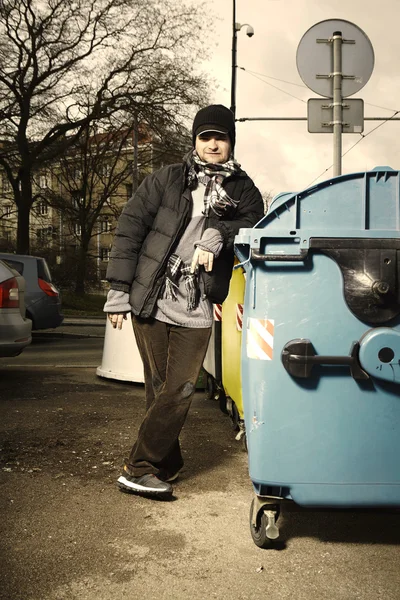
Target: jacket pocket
[[216, 282]]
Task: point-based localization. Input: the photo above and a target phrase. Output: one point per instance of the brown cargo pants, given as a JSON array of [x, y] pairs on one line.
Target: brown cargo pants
[[172, 358]]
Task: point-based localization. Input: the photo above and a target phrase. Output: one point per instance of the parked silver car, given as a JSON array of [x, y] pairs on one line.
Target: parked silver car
[[42, 298], [15, 327]]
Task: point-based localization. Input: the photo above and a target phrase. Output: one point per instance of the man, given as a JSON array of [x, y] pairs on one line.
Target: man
[[171, 259]]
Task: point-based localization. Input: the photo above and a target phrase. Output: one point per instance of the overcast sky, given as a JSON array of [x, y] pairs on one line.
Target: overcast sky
[[283, 156]]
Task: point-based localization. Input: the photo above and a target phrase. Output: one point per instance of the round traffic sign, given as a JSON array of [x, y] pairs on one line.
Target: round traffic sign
[[315, 57]]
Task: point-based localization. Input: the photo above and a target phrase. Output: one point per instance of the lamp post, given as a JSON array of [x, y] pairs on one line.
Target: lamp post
[[249, 32]]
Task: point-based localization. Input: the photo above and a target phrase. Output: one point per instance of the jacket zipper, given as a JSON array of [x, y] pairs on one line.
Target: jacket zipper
[[180, 229]]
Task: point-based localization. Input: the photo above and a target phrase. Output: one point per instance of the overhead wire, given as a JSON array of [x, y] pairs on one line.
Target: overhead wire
[[259, 75], [254, 73], [357, 142], [273, 86], [270, 77]]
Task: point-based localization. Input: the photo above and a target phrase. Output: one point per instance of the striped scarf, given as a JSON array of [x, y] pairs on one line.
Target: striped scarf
[[175, 268], [212, 176]]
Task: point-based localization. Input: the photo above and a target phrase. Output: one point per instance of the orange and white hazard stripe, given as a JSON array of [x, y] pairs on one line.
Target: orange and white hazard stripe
[[217, 312], [239, 317], [260, 339]]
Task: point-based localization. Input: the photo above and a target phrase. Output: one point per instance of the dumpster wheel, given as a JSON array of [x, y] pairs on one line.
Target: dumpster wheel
[[222, 400], [211, 387], [235, 417], [263, 527]]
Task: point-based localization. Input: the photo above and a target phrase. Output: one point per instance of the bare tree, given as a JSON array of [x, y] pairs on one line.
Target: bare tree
[[66, 64], [267, 197], [94, 179]]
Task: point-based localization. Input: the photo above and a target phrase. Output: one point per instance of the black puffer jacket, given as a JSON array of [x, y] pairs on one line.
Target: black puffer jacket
[[153, 221]]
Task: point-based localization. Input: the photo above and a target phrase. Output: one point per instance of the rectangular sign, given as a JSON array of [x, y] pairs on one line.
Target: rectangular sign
[[320, 115]]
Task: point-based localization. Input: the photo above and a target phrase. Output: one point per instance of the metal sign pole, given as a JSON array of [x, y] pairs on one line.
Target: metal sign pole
[[337, 103], [336, 75]]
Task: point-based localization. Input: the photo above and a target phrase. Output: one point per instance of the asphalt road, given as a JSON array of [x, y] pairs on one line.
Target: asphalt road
[[76, 343], [68, 533]]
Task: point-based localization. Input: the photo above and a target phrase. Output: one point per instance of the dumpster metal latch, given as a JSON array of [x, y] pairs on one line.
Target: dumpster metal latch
[[371, 275], [299, 357]]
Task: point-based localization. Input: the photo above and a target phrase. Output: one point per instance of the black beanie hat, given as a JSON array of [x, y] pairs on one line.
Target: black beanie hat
[[215, 118]]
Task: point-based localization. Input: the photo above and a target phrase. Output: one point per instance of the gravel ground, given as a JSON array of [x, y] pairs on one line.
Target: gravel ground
[[67, 532]]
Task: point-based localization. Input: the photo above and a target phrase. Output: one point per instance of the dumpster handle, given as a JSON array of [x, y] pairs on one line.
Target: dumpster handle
[[299, 357], [252, 278], [255, 255]]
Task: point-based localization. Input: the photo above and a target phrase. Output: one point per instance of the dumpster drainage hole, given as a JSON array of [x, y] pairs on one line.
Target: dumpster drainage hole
[[293, 233], [387, 261], [386, 355]]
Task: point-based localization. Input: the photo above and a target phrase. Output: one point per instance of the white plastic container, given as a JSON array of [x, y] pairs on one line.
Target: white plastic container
[[121, 359]]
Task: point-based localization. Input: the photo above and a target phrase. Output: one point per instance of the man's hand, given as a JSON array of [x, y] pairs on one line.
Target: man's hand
[[202, 257], [117, 319]]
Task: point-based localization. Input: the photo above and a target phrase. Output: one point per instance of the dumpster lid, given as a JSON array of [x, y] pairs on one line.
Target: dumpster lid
[[355, 220]]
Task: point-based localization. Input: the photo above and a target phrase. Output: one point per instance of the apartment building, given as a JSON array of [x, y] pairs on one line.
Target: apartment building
[[80, 196]]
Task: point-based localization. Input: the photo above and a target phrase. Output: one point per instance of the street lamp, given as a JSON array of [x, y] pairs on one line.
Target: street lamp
[[250, 32]]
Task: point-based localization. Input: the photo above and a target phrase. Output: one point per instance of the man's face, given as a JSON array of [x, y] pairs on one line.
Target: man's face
[[213, 147]]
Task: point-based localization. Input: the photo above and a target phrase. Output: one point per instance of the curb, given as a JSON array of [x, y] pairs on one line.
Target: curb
[[83, 322], [61, 334]]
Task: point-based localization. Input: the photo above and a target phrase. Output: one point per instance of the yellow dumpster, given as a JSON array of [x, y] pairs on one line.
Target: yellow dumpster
[[231, 341]]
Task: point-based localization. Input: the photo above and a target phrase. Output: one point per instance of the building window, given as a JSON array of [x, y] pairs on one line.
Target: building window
[[129, 190], [44, 233], [7, 211], [43, 181], [42, 208], [77, 229], [105, 225], [6, 185], [105, 254], [77, 200], [105, 170], [6, 235]]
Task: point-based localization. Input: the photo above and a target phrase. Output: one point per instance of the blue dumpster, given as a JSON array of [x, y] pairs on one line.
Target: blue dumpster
[[321, 348]]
